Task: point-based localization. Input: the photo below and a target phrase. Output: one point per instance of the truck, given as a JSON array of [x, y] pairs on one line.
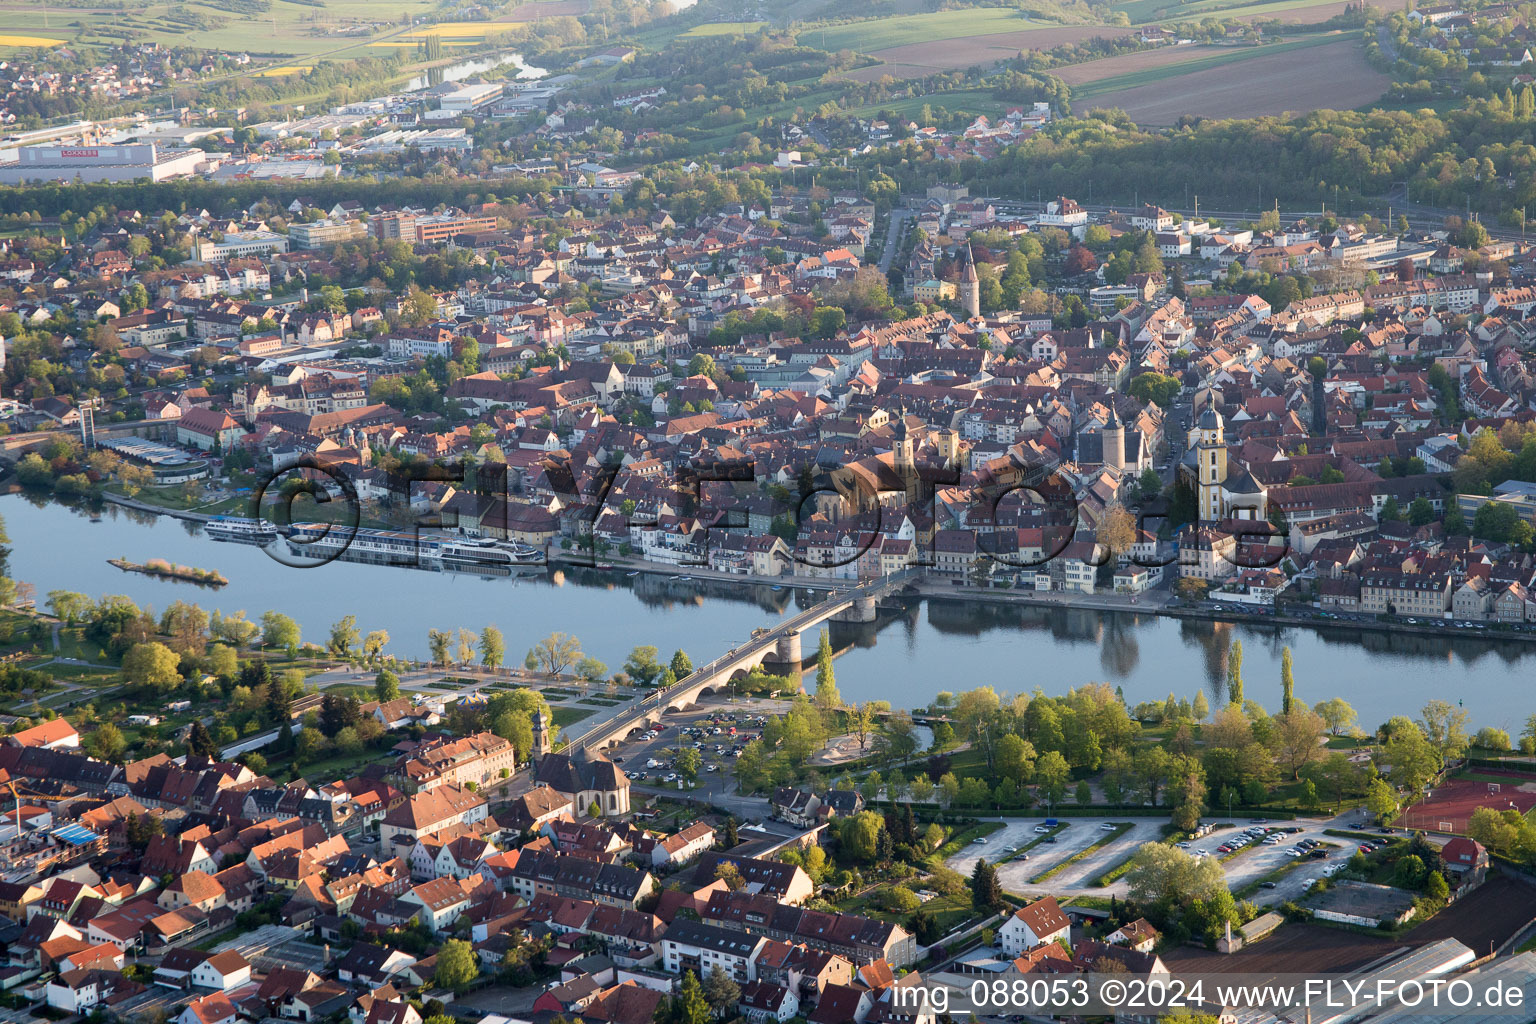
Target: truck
[[1051, 823]]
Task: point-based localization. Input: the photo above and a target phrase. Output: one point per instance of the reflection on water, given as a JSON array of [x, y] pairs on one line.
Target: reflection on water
[[466, 68], [917, 649]]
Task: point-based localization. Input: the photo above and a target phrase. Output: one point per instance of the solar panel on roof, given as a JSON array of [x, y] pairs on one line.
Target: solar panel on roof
[[75, 835]]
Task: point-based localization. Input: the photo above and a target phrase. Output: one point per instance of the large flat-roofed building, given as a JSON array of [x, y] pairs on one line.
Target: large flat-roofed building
[[325, 232], [465, 100], [97, 163], [387, 226], [438, 229], [239, 244]]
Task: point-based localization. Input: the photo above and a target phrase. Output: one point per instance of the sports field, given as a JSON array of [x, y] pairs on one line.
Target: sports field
[[1453, 801]]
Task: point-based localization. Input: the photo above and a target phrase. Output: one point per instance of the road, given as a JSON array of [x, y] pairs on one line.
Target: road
[[899, 218], [1386, 42]]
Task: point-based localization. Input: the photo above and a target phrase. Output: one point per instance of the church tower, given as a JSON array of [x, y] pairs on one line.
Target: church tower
[[1211, 460], [541, 744], [948, 443], [970, 285], [1114, 440], [903, 448]]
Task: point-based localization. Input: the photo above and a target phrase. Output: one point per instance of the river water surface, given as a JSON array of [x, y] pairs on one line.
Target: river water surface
[[933, 645]]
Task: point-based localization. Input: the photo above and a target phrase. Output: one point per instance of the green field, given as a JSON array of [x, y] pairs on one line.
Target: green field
[[564, 716], [881, 34]]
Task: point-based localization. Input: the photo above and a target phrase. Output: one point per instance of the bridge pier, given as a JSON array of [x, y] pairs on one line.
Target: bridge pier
[[788, 654], [863, 609]]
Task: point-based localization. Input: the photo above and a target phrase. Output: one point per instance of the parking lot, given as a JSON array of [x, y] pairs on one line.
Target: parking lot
[[1252, 864], [1079, 834]]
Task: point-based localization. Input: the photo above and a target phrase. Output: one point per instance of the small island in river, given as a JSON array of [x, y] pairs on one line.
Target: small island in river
[[171, 571]]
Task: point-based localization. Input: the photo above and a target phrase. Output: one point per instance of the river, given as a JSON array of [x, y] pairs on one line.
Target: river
[[934, 645], [465, 68]]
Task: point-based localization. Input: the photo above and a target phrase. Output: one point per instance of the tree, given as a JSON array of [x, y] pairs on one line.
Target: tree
[[1445, 727], [438, 642], [151, 667], [1300, 734], [1052, 770], [690, 1006], [1336, 713], [730, 874], [1413, 758], [896, 739], [720, 990], [200, 743], [278, 630], [466, 648], [1117, 530], [860, 835], [680, 665], [222, 661], [642, 666], [986, 890], [1380, 800], [386, 686], [688, 762], [107, 742], [1015, 758], [1167, 876], [374, 644], [457, 965], [1235, 673], [492, 648], [1287, 683], [827, 696], [344, 636], [1489, 738]]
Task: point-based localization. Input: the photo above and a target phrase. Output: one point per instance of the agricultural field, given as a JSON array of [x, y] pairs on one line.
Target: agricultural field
[[1142, 12], [287, 29], [724, 28], [537, 9], [28, 42], [1107, 68], [907, 30], [948, 54], [1323, 74]]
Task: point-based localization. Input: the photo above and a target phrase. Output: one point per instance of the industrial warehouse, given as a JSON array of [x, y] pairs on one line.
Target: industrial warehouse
[[96, 163]]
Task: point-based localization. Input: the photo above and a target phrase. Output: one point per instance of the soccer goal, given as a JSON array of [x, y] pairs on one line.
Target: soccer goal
[[1493, 787], [1447, 826]]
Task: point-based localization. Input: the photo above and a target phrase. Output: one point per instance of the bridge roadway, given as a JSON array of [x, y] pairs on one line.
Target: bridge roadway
[[780, 645]]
